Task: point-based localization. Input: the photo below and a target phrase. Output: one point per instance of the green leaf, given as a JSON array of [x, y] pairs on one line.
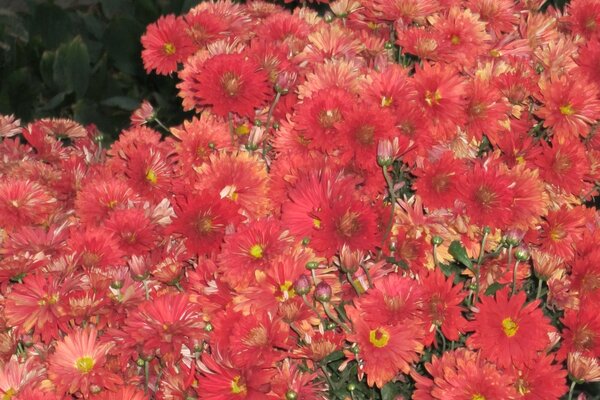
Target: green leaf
[[459, 253], [53, 102], [47, 68], [122, 102], [72, 67], [494, 287], [390, 391], [336, 355], [122, 41], [51, 24]]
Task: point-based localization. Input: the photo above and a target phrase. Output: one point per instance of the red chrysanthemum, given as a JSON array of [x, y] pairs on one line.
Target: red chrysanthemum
[[581, 332], [437, 181], [202, 221], [385, 350], [100, 197], [23, 202], [564, 165], [561, 230], [17, 376], [583, 17], [570, 106], [508, 331], [463, 375], [487, 194], [227, 83], [204, 27], [133, 229], [162, 325], [166, 43], [542, 379], [95, 248], [79, 363], [485, 110], [442, 306]]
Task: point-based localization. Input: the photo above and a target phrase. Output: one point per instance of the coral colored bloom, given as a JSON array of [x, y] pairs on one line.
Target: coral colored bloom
[[78, 364], [437, 181], [166, 44], [16, 376], [385, 350], [227, 83], [508, 331], [581, 332], [542, 379], [24, 202]]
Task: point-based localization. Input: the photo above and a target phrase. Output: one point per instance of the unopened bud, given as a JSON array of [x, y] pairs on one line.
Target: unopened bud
[[386, 152], [328, 17], [513, 237], [302, 285], [350, 260], [285, 81], [256, 137], [522, 253], [436, 240], [323, 292], [312, 265], [291, 395]]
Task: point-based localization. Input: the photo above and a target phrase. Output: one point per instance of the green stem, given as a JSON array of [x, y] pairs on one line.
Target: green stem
[[437, 328], [313, 308], [329, 382], [436, 262], [334, 318], [514, 282], [390, 184], [509, 259], [159, 123], [146, 290], [571, 389], [539, 289], [368, 275], [268, 125], [351, 280]]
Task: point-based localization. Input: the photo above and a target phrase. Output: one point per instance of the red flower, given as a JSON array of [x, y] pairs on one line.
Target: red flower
[[584, 18], [100, 197], [226, 83], [78, 364], [508, 331], [202, 220], [581, 332], [437, 181], [561, 230], [166, 44], [385, 350], [564, 165], [162, 325], [23, 202], [542, 379], [463, 375]]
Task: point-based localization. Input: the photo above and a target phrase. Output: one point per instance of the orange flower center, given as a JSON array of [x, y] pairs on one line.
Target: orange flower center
[[455, 40], [48, 300], [583, 339], [561, 163], [84, 364], [169, 49], [567, 109], [386, 101], [509, 327], [328, 118], [558, 233], [257, 337], [256, 251], [111, 204], [237, 387], [485, 196], [379, 337], [478, 396], [231, 83], [522, 387]]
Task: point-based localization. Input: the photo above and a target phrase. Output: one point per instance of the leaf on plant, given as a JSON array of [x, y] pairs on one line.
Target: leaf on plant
[[459, 253], [493, 288], [71, 69]]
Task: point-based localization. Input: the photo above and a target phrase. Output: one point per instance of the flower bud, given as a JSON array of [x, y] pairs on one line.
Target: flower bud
[[328, 17], [522, 253], [291, 395], [350, 260], [285, 81], [513, 237], [256, 137], [323, 292], [302, 285], [312, 265], [386, 152], [437, 240], [351, 387]]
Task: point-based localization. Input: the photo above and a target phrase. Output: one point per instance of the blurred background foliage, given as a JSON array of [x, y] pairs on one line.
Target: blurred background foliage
[[81, 59]]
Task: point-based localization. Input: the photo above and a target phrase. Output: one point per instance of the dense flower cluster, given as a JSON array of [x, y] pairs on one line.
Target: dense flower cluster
[[392, 197]]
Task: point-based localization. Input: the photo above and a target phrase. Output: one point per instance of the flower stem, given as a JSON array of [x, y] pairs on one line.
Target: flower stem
[[390, 184], [539, 289], [514, 282], [571, 389], [353, 283], [159, 123], [368, 275], [329, 382], [437, 328], [334, 318]]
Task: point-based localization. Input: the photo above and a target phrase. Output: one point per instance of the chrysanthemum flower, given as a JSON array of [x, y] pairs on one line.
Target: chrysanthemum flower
[[95, 248], [487, 194], [79, 363], [585, 278], [133, 229], [239, 177], [564, 165], [485, 109], [219, 379], [16, 376], [581, 332], [589, 59], [530, 200], [166, 43], [463, 375], [204, 27], [582, 368], [583, 17], [561, 230], [508, 331], [542, 379], [293, 379], [441, 95], [202, 220], [570, 106], [500, 15], [37, 303], [124, 393], [99, 197], [406, 11], [161, 326], [227, 83], [442, 306], [24, 202], [251, 249], [437, 181], [385, 350]]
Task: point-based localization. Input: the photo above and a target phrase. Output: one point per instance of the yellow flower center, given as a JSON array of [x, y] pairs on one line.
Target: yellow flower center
[[386, 101], [8, 394], [169, 49], [111, 204], [237, 387], [433, 98], [231, 83], [151, 177], [204, 225], [509, 327], [242, 130], [495, 53], [379, 337], [84, 364], [478, 396], [256, 251], [48, 300], [317, 223], [287, 291], [567, 109], [455, 40]]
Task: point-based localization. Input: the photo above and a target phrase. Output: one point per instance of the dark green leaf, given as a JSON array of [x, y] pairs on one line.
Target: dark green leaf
[[53, 102], [493, 288], [122, 41], [51, 24], [72, 67], [336, 355], [390, 391], [122, 102], [459, 253], [47, 68]]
